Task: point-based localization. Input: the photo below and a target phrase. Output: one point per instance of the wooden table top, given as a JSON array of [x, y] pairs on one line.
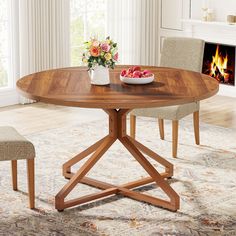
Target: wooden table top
[[71, 87]]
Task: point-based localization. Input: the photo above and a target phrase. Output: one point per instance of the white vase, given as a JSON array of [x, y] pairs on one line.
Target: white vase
[[99, 75]]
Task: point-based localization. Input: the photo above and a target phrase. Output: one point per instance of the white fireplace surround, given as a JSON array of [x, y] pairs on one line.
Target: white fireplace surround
[[213, 32]]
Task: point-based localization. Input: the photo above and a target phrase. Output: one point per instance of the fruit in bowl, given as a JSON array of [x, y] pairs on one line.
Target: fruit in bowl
[[134, 75], [136, 72]]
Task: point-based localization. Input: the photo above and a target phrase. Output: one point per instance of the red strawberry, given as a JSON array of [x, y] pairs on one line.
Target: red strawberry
[[130, 70], [137, 74], [123, 72], [136, 68], [146, 72]]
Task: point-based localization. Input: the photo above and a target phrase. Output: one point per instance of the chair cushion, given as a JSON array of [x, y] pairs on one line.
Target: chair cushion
[[168, 113], [13, 146]]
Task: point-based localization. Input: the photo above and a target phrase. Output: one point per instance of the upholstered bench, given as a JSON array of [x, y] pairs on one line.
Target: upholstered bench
[[15, 147]]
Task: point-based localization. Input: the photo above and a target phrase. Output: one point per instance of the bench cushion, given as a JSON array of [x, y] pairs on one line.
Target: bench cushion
[[14, 146]]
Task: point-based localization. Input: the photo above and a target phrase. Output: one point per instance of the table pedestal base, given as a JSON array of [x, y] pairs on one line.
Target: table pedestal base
[[117, 130]]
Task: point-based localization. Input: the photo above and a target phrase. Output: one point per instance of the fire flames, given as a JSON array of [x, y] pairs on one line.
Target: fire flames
[[219, 66]]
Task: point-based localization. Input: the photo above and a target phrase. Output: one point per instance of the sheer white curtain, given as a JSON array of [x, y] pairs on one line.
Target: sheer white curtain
[[44, 35], [134, 25]]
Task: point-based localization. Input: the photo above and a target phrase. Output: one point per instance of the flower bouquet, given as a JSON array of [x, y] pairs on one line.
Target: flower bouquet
[[99, 57]]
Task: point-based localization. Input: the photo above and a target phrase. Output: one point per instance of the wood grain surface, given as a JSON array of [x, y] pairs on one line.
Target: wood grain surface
[[71, 87]]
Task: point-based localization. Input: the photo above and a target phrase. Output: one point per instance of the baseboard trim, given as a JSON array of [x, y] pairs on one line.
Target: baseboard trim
[[8, 97], [226, 90]]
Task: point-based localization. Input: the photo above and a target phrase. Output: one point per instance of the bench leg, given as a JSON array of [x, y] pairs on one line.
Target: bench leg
[[14, 174], [31, 188]]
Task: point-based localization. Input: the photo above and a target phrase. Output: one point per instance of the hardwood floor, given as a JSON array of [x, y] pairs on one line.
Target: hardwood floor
[[37, 117], [219, 111]]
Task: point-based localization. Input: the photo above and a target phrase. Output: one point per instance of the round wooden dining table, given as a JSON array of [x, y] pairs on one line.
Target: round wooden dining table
[[71, 87]]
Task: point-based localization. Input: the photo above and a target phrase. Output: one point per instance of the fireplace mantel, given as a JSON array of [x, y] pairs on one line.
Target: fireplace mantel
[[213, 32], [210, 23]]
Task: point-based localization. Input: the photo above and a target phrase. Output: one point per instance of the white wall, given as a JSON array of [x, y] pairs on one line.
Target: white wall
[[171, 24], [221, 8]]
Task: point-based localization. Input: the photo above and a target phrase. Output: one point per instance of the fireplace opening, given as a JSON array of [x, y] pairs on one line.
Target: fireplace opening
[[219, 62]]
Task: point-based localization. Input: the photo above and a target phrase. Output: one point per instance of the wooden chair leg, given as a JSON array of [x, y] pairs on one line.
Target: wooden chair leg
[[14, 174], [30, 169], [132, 126], [196, 127], [161, 128], [175, 124]]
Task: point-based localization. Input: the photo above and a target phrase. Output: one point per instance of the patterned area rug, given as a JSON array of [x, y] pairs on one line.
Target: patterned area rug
[[204, 177]]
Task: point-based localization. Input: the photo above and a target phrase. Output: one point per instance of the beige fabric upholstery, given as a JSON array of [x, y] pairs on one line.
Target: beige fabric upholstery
[[182, 53], [168, 113], [13, 146]]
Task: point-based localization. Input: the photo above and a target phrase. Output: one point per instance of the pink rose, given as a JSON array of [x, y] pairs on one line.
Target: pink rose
[[116, 56], [95, 43], [105, 47]]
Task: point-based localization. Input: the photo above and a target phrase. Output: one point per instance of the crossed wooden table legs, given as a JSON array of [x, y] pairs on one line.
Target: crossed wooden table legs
[[117, 130]]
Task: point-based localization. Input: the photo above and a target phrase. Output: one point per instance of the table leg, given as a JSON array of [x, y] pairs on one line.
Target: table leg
[[117, 130]]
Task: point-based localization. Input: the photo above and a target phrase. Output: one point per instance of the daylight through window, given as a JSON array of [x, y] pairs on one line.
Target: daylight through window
[[88, 19], [4, 47]]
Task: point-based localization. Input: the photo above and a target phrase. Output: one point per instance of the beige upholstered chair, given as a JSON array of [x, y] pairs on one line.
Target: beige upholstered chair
[[14, 147], [183, 53]]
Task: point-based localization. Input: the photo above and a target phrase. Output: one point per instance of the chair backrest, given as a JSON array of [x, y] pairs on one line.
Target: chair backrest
[[183, 53]]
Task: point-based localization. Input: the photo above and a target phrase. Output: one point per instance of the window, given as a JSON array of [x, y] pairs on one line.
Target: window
[[9, 20], [4, 47], [88, 19]]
